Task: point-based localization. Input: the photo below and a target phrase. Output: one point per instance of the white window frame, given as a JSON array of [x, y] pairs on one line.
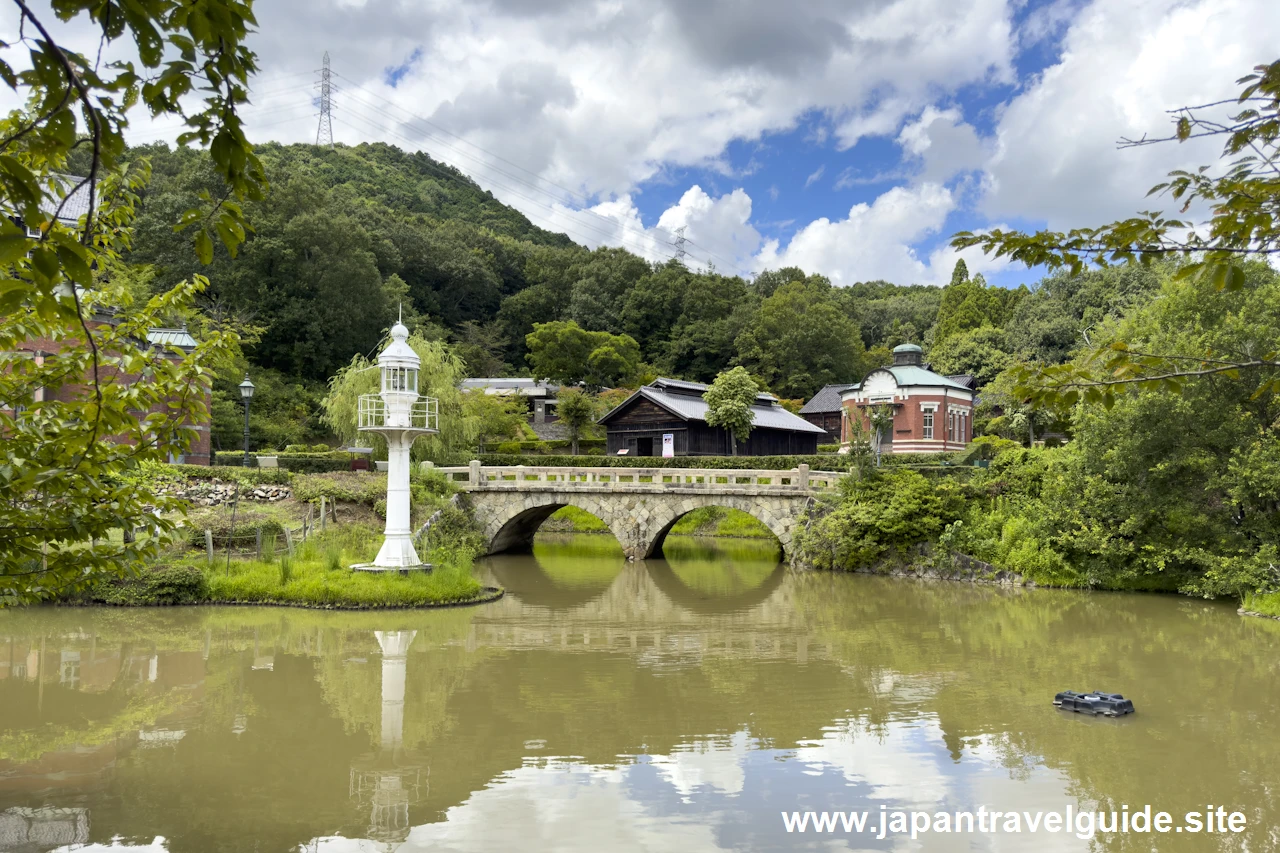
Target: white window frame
[[927, 423]]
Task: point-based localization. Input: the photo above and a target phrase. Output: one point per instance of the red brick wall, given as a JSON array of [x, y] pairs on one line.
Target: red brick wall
[[908, 423], [198, 454]]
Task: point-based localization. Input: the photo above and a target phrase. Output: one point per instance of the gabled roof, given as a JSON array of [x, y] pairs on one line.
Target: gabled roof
[[691, 407], [826, 400], [683, 386], [908, 375], [970, 382]]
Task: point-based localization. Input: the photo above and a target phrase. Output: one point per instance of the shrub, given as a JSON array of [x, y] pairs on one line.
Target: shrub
[[880, 518], [349, 487], [243, 537], [164, 585]]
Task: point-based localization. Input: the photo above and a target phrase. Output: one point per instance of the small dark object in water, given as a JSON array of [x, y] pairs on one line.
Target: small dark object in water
[[1096, 703]]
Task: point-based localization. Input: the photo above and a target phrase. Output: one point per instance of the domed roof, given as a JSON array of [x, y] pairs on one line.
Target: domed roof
[[398, 353], [907, 348]]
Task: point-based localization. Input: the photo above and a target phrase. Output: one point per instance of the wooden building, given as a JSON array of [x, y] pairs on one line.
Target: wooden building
[[826, 411], [669, 418]]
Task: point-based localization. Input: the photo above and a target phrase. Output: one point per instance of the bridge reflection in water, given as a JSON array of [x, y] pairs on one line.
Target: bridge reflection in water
[[676, 704]]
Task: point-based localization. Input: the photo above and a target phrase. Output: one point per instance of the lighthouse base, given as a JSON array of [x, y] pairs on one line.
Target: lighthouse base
[[397, 555]]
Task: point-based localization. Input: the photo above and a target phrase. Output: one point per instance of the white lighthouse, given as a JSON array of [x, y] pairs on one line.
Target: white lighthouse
[[399, 415]]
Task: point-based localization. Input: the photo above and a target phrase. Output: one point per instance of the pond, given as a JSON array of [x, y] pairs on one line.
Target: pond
[[687, 704]]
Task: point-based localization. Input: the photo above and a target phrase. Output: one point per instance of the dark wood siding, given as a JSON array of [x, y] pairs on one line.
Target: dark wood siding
[[643, 419], [830, 421]]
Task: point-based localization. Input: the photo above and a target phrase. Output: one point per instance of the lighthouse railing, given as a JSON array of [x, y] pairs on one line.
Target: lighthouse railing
[[372, 413]]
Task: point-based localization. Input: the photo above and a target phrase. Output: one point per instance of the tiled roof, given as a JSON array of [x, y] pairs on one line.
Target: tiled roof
[[699, 388], [908, 375], [76, 205], [826, 400], [171, 337], [525, 386], [691, 407]]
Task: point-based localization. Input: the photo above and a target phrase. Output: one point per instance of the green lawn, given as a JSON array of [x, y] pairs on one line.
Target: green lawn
[[319, 574]]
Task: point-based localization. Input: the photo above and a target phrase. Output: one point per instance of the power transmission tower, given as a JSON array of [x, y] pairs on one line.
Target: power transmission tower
[[324, 133], [679, 244]]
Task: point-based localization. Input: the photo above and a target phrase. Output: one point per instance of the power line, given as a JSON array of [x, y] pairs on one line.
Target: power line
[[324, 133]]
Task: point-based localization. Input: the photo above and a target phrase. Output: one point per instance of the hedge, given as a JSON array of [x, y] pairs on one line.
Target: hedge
[[248, 476], [300, 463], [773, 463], [588, 446], [819, 462]]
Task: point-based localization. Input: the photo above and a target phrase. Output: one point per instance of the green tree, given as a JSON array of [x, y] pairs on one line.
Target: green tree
[[800, 340], [1242, 195], [576, 409], [562, 351], [493, 416], [439, 376], [979, 353], [729, 401], [970, 304], [715, 311], [77, 426]]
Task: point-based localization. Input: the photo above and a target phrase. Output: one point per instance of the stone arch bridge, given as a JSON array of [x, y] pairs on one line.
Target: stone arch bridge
[[640, 505]]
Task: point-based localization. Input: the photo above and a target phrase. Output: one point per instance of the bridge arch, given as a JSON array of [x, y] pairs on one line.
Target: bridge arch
[[779, 524], [513, 527], [639, 521]]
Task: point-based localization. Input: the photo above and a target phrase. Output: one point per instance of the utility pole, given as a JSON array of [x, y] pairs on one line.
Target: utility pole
[[324, 133], [679, 244]]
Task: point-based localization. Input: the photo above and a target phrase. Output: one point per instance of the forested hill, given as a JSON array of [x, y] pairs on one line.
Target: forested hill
[[347, 235]]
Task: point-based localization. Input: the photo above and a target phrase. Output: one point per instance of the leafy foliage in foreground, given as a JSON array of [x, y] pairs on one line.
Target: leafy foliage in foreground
[[108, 401], [1242, 196]]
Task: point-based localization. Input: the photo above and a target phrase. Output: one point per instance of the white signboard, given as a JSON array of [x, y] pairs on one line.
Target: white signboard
[[668, 445]]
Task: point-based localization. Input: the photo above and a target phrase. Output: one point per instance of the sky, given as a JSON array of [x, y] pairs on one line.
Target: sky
[[850, 138]]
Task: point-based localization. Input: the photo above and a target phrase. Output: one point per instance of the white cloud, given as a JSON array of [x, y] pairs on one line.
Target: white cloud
[[1122, 66], [873, 242], [941, 144], [814, 176]]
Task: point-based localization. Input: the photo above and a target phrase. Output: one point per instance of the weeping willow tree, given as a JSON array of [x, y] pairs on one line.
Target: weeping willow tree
[[441, 373]]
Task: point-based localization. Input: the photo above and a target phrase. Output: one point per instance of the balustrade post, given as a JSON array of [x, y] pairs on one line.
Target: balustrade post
[[804, 475], [474, 478]]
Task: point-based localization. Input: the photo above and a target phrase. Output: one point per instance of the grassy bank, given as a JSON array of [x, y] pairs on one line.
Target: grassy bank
[[317, 575], [1263, 605], [315, 571]]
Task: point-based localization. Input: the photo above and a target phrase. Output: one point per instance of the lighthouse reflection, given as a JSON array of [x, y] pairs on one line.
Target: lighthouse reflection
[[390, 780]]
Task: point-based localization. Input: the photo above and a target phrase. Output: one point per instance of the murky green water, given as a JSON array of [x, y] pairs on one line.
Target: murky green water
[[676, 705]]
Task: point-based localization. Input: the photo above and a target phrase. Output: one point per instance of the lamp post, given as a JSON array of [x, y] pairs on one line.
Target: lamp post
[[246, 392]]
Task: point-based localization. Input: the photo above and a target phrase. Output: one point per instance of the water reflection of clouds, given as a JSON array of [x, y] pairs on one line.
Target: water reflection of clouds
[[727, 793], [715, 764]]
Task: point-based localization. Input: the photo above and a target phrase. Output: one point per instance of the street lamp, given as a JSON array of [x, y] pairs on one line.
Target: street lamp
[[246, 392]]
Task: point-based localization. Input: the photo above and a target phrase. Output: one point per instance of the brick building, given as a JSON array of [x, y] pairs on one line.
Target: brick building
[[931, 413], [74, 206], [161, 341]]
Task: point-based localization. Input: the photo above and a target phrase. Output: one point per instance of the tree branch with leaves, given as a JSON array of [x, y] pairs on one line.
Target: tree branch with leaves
[[1242, 197], [80, 422]]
